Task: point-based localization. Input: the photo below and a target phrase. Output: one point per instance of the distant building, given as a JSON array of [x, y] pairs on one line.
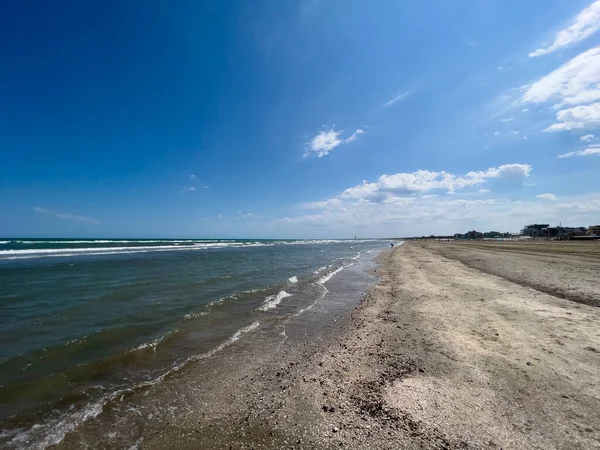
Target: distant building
[[492, 235], [535, 230], [594, 229], [561, 232], [473, 235]]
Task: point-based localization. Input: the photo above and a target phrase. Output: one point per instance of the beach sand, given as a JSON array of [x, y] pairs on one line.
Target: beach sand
[[454, 346]]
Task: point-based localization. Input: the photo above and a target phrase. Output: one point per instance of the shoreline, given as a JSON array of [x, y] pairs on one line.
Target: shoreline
[[231, 373], [436, 354]]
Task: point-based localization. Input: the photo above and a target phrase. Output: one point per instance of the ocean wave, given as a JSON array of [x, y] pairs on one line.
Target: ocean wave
[[63, 252], [325, 278], [320, 269], [112, 250], [273, 300], [53, 431], [293, 279], [196, 315], [236, 336], [148, 345]]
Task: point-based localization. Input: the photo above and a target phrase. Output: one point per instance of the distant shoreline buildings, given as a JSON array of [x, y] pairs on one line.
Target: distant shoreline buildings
[[539, 231], [532, 231]]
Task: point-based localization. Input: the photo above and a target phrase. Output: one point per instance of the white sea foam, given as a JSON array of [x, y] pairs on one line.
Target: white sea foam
[[236, 336], [127, 249], [320, 269], [41, 436], [273, 300], [195, 315], [325, 278], [293, 279], [151, 344]]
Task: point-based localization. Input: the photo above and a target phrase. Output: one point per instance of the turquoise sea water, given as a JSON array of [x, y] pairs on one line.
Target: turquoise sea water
[[82, 320]]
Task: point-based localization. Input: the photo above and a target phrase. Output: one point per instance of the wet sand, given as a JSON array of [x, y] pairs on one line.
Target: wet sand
[[437, 354]]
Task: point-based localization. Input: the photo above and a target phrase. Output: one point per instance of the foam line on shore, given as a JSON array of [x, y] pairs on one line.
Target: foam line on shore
[[273, 300], [60, 426], [128, 249]]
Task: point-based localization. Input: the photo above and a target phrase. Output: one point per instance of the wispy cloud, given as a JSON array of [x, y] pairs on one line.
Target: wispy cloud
[[325, 141], [354, 135], [547, 196], [508, 119], [575, 82], [65, 215], [575, 86], [396, 99], [593, 150], [586, 23], [193, 185], [587, 137]]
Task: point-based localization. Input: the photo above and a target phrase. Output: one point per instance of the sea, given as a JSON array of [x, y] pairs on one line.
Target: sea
[[84, 321]]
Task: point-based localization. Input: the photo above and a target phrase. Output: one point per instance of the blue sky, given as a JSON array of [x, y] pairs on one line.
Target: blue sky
[[297, 119]]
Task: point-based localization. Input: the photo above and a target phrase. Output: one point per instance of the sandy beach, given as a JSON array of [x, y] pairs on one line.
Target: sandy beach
[[454, 346]]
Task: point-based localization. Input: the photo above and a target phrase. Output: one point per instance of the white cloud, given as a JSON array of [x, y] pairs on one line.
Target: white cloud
[[326, 204], [514, 132], [65, 216], [577, 118], [525, 110], [525, 137], [354, 135], [585, 24], [593, 150], [426, 215], [575, 82], [547, 196], [496, 133], [192, 177], [587, 137], [484, 191], [324, 142], [508, 119], [388, 187], [397, 98]]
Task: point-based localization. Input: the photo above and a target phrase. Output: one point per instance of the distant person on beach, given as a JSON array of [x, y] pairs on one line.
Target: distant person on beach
[[391, 245]]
